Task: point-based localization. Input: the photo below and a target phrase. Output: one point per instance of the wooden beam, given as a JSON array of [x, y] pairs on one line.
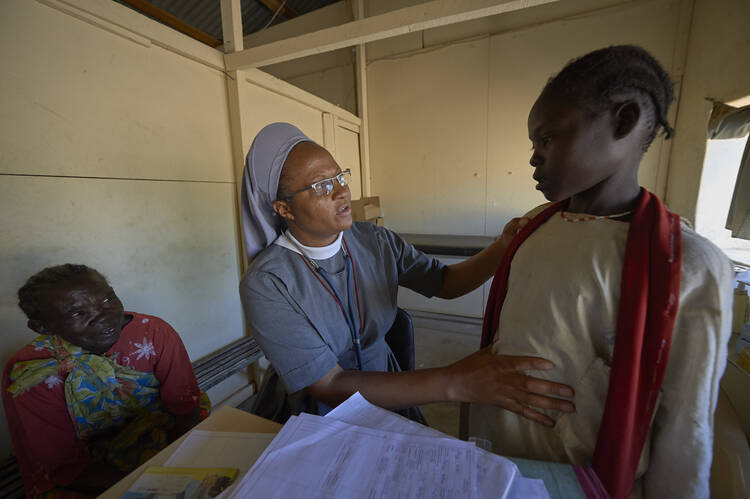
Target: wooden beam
[[325, 17], [286, 9], [231, 25], [358, 7], [397, 22], [172, 21]]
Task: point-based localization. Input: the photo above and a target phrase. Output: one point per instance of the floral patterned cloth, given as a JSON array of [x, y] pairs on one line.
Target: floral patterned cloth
[[40, 383], [100, 394]]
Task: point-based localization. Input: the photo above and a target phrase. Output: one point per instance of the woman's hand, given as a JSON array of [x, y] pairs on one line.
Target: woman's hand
[[511, 229], [489, 379]]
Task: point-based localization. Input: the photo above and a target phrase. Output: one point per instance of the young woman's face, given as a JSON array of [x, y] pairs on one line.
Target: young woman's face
[[315, 220], [572, 150], [84, 311]]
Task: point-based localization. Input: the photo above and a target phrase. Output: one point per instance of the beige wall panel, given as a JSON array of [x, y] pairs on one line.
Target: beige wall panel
[[390, 46], [347, 156], [311, 64], [428, 139], [520, 64], [517, 19], [168, 248], [78, 100], [717, 67], [336, 85], [260, 107]]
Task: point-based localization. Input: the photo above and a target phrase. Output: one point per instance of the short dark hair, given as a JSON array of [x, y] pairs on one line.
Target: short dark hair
[[28, 295], [598, 79]]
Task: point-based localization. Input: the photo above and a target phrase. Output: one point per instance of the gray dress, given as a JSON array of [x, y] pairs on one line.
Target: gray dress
[[298, 323]]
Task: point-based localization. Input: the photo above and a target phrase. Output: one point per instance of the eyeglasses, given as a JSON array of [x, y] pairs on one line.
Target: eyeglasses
[[325, 187]]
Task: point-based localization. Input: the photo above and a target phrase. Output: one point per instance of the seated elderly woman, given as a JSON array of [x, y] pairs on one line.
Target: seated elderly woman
[[99, 391], [320, 295]]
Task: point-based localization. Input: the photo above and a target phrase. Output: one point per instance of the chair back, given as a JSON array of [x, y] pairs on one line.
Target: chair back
[[401, 340]]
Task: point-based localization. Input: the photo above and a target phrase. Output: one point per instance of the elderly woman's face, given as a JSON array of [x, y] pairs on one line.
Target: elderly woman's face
[[314, 220], [84, 311]]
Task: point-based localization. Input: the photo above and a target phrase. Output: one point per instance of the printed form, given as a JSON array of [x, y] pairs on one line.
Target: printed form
[[360, 450], [497, 476], [324, 458]]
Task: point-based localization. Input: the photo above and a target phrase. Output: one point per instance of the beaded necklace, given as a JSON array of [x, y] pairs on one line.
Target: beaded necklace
[[587, 218]]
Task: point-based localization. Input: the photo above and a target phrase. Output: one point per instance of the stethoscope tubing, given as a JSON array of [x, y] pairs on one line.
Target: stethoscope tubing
[[351, 285], [349, 316]]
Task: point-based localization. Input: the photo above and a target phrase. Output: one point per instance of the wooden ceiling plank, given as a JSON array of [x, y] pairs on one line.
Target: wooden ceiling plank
[[173, 22]]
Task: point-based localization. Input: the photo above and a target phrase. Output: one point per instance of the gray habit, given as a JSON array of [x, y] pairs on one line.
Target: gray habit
[[300, 326]]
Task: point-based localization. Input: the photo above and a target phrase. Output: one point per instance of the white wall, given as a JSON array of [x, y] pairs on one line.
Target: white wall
[[121, 141], [118, 155], [703, 43], [448, 106], [451, 120]]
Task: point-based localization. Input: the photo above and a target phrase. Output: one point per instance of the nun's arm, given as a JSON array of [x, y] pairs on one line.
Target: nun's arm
[[465, 277], [482, 378]]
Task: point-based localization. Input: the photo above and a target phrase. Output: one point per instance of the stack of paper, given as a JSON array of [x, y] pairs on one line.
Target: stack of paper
[[360, 450]]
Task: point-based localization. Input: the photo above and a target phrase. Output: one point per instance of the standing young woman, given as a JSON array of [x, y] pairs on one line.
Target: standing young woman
[[320, 295]]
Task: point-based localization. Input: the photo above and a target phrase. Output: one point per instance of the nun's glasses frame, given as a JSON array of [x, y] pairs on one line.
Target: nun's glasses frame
[[325, 187]]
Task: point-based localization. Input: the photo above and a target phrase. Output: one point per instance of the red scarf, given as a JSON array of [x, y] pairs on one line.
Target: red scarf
[[649, 296]]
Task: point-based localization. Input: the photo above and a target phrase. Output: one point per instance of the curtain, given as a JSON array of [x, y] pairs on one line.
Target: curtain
[[729, 122]]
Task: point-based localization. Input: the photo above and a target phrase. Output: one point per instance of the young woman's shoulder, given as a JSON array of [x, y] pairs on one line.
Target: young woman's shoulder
[[536, 211], [701, 258]]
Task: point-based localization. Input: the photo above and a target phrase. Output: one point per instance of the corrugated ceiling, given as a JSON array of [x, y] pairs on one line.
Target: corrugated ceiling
[[205, 15]]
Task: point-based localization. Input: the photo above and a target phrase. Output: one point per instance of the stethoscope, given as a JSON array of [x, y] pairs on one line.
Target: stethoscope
[[351, 281]]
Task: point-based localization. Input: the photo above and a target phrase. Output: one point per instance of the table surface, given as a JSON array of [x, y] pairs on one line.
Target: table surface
[[224, 419]]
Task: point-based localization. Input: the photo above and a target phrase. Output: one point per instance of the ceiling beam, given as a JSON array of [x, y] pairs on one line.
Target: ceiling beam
[[397, 22], [286, 9], [231, 25], [172, 21]]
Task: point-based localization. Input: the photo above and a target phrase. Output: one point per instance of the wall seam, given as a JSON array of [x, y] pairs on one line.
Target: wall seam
[[141, 179], [487, 132], [683, 69]]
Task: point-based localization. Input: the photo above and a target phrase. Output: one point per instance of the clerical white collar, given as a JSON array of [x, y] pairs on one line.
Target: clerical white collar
[[288, 241]]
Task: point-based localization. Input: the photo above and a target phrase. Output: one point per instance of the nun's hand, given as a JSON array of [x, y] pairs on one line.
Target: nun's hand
[[489, 379], [512, 228]]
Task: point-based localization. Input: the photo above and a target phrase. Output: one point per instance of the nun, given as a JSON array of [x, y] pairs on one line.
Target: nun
[[319, 296]]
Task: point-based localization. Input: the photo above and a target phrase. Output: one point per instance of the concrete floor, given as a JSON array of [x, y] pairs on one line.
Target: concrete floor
[[439, 341]]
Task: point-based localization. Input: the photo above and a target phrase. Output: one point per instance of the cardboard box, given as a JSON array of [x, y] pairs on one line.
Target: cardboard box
[[367, 210]]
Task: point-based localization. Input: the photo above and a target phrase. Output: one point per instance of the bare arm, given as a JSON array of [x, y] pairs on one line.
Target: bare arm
[[464, 277], [483, 378]]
